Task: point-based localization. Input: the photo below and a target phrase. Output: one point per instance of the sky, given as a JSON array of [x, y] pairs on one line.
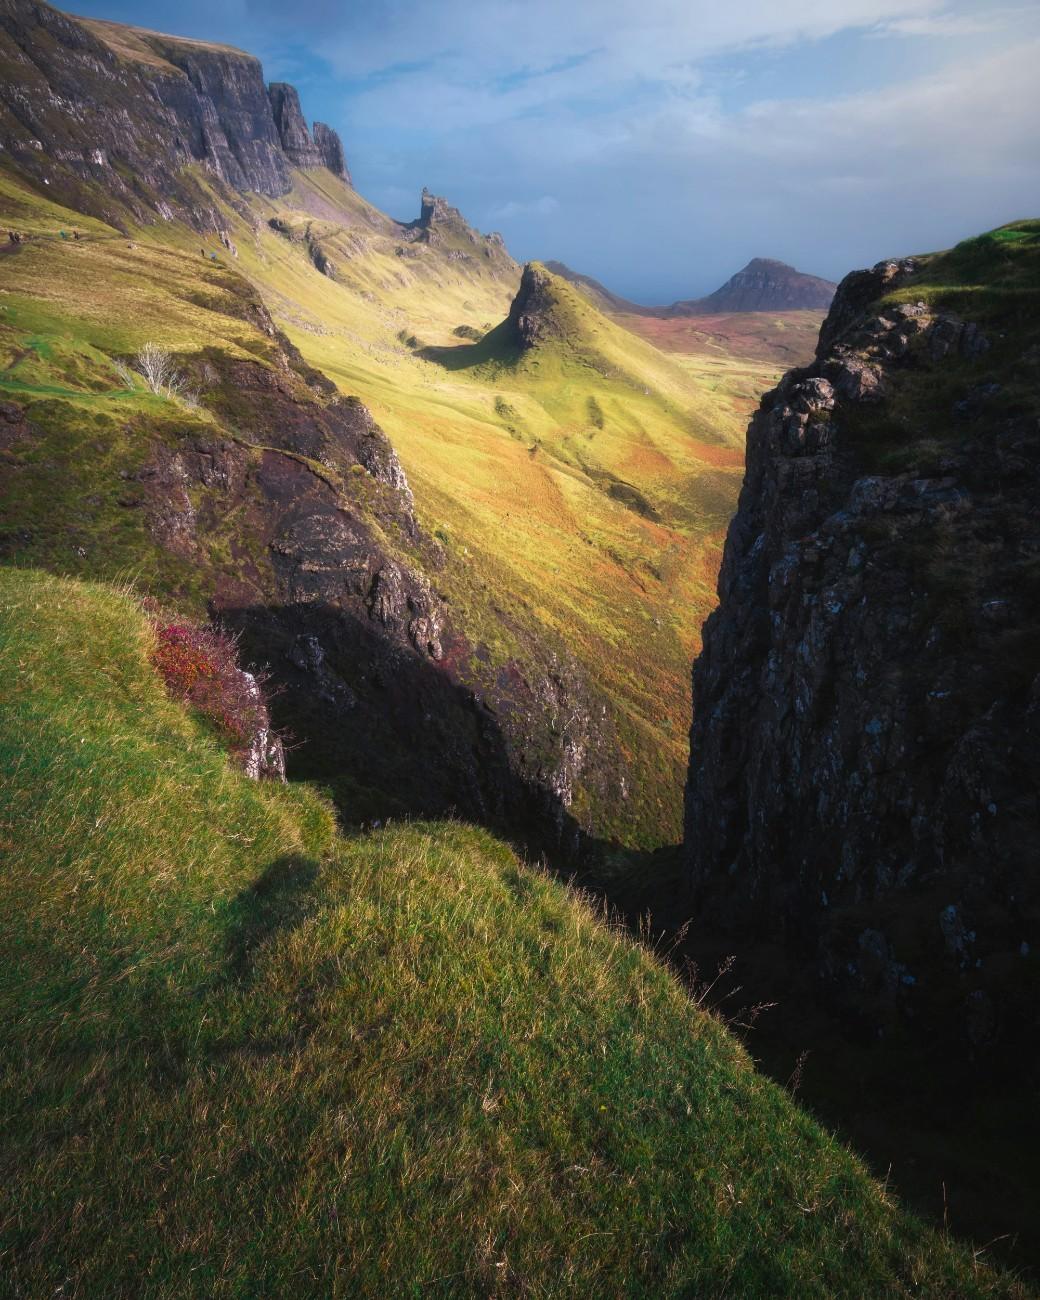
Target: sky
[[658, 145]]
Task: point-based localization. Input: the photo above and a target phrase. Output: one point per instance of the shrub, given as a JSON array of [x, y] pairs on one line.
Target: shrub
[[200, 667]]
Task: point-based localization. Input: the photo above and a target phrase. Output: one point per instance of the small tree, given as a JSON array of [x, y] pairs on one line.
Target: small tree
[[156, 364], [162, 376]]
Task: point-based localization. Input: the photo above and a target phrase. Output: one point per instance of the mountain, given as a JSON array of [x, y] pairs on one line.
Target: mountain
[[112, 119], [763, 285], [866, 734]]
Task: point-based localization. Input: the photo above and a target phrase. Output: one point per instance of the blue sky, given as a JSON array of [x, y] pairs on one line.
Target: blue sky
[[660, 144]]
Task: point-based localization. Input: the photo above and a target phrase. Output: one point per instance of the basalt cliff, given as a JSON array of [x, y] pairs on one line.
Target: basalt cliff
[[866, 736], [111, 119]]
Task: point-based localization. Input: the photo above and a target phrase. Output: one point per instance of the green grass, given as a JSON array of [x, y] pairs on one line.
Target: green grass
[[244, 1057], [992, 280]]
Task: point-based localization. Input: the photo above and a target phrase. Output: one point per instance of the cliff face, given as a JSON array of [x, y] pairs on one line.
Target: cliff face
[[330, 151], [866, 743], [108, 117], [292, 128]]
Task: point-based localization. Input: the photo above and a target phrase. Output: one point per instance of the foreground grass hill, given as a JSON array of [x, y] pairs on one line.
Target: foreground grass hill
[[244, 1056]]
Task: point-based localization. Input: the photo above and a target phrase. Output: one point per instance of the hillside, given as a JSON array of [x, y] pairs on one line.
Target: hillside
[[735, 346], [864, 750], [597, 292], [568, 508], [247, 1057]]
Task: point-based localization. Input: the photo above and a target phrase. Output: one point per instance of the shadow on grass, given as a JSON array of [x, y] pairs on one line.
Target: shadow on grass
[[280, 899], [497, 348]]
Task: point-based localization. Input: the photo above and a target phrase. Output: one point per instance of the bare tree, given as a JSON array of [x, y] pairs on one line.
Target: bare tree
[[163, 377]]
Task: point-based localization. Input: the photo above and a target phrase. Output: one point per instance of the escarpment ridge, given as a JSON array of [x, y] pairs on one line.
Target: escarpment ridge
[[108, 118]]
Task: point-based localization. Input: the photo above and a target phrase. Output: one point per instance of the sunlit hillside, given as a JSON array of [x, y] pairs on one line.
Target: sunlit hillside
[[584, 487]]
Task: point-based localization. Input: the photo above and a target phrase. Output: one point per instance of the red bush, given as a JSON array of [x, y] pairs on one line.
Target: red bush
[[200, 666]]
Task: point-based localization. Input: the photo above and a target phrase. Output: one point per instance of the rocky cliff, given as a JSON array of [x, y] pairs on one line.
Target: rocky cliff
[[109, 118], [292, 128], [330, 150], [864, 755]]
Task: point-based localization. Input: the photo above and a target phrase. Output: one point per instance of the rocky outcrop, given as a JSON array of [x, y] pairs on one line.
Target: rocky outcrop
[[437, 211], [444, 227], [762, 285], [264, 757], [292, 128], [108, 118], [332, 586], [866, 737], [531, 318], [330, 151]]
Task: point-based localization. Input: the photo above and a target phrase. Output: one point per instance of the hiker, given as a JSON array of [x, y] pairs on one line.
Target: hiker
[[75, 234], [64, 234], [14, 237]]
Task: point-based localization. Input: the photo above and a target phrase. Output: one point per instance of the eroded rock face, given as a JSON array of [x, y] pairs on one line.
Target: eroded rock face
[[866, 742], [292, 127], [330, 151], [111, 135], [530, 313]]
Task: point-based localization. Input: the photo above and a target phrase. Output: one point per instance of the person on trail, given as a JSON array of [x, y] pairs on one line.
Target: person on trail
[[75, 234], [14, 237], [64, 234]]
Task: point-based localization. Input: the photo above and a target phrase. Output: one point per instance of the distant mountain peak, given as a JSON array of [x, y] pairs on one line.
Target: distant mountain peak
[[765, 284]]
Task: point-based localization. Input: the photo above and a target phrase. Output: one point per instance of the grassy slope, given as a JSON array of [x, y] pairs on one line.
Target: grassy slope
[[736, 356], [994, 281], [243, 1057], [512, 465]]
